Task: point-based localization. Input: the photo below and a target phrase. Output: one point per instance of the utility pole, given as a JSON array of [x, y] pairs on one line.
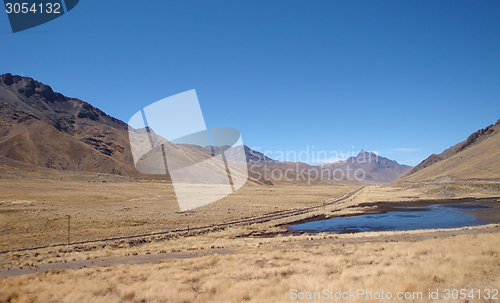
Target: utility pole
[[69, 233], [324, 214]]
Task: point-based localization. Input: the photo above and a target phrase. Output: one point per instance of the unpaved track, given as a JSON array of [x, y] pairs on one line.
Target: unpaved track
[[260, 219], [154, 258], [138, 259]]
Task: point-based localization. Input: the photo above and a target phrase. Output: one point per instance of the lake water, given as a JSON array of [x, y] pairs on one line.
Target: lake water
[[400, 217]]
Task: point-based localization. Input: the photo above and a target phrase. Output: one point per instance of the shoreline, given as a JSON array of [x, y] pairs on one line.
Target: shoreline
[[384, 207]]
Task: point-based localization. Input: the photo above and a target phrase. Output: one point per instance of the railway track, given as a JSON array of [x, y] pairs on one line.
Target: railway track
[[260, 219]]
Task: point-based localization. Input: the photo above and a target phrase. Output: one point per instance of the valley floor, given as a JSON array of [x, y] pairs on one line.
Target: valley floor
[[233, 263]]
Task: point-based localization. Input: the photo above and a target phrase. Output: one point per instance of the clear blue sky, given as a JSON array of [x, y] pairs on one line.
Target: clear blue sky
[[405, 78]]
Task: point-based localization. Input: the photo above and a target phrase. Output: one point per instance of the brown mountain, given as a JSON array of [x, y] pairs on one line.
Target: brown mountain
[[367, 168], [43, 128], [477, 157]]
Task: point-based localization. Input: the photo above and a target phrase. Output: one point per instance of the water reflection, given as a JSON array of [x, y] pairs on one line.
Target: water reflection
[[401, 218]]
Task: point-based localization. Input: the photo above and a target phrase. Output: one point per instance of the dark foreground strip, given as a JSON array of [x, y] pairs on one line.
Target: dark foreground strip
[[105, 262]]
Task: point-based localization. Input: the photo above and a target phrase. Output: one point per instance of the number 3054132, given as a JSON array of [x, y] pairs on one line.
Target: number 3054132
[[37, 8]]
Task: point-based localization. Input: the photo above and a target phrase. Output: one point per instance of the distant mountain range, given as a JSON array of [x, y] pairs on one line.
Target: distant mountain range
[[43, 128], [369, 166]]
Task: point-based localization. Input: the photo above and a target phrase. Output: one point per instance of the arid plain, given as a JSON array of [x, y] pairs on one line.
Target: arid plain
[[228, 260]]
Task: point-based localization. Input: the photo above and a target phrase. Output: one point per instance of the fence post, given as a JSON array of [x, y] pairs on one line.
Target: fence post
[[69, 232]]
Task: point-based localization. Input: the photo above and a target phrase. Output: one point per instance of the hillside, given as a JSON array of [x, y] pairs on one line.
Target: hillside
[[477, 157], [47, 129]]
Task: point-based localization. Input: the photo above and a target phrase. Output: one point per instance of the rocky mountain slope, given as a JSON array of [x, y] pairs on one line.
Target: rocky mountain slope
[[477, 157], [43, 128], [368, 168]]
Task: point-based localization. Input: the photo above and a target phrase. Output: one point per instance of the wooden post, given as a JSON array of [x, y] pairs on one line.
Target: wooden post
[[324, 214], [69, 232]]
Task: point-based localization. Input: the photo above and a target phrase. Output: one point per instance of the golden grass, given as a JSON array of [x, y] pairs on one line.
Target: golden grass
[[33, 212], [33, 209], [428, 191], [268, 274]]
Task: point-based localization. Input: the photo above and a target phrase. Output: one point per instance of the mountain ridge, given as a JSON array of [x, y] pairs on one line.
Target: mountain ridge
[[44, 128], [377, 169], [474, 158]]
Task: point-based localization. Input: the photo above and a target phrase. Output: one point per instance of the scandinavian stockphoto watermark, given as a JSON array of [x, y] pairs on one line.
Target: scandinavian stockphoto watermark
[[335, 165], [204, 164], [26, 14]]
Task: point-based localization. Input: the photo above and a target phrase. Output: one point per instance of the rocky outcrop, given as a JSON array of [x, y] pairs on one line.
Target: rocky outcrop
[[47, 129]]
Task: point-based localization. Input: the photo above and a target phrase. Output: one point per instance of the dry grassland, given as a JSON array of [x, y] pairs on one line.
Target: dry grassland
[[268, 274], [33, 211], [429, 191]]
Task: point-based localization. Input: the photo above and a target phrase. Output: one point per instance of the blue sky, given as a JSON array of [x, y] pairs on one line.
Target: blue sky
[[404, 78]]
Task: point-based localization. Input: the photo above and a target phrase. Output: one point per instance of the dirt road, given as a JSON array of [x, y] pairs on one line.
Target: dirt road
[[408, 236]]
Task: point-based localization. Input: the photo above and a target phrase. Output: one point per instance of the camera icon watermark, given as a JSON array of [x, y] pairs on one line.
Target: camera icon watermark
[[170, 137]]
